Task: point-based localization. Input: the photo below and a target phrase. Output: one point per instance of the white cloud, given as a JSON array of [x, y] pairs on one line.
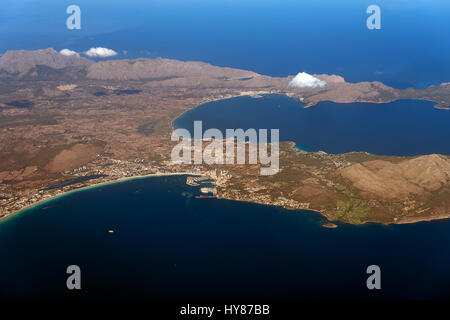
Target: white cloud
[[100, 52], [305, 80], [68, 53]]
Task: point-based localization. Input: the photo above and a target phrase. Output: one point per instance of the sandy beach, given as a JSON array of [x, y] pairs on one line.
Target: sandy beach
[[90, 187]]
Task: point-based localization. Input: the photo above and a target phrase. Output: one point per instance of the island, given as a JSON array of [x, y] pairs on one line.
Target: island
[[68, 122]]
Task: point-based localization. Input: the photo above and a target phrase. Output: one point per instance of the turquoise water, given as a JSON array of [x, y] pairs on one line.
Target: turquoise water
[[170, 245], [400, 128]]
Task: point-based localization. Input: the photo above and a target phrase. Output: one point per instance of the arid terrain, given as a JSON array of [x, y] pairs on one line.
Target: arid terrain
[[69, 122]]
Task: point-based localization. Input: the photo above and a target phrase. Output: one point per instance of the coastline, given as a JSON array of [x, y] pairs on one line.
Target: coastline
[[330, 224], [90, 187], [171, 123]]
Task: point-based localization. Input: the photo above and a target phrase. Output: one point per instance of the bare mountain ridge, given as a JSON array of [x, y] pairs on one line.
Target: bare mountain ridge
[[161, 68], [22, 61], [49, 64], [416, 176]]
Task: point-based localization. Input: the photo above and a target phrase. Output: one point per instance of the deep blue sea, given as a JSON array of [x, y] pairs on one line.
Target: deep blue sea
[[401, 128], [170, 245], [272, 37]]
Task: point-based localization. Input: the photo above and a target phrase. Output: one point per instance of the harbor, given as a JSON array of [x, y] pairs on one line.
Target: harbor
[[207, 189]]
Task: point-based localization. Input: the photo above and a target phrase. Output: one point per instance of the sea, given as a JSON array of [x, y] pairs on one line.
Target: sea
[[276, 38], [399, 128], [168, 244]]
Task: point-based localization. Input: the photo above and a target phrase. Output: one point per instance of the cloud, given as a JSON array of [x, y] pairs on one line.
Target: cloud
[[305, 80], [100, 52], [68, 53]]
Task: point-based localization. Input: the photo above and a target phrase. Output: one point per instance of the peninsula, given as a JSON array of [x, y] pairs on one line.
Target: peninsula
[[70, 122]]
